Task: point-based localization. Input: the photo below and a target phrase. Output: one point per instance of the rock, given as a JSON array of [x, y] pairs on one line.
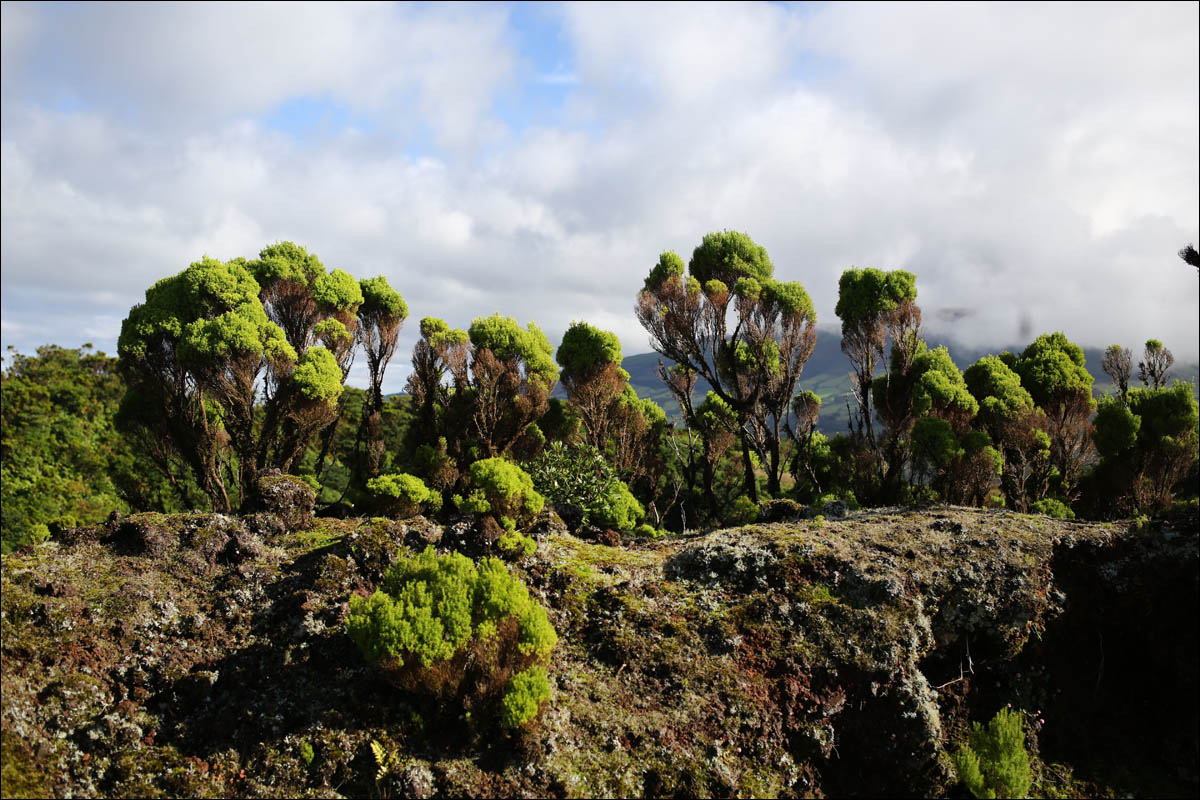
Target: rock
[[723, 557], [781, 511], [416, 781], [285, 496]]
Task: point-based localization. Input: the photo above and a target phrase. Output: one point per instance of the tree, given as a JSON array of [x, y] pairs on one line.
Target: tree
[[478, 393], [1147, 447], [1116, 365], [1007, 413], [1052, 370], [380, 318], [1190, 256], [870, 301], [1156, 360], [731, 323], [213, 345]]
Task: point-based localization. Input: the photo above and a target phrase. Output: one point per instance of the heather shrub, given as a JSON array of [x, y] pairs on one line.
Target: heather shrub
[[402, 495], [618, 508], [1052, 508], [503, 489], [442, 626], [993, 762]]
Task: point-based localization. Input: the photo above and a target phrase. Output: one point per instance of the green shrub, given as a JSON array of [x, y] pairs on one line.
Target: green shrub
[[743, 511], [516, 545], [403, 495], [994, 762], [618, 508], [442, 625], [648, 531], [523, 696], [573, 475], [1052, 508], [503, 489]]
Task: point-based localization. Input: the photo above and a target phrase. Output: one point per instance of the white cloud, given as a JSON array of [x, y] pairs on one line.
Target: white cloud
[[1014, 169]]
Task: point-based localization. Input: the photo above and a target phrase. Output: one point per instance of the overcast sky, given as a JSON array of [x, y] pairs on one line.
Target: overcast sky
[[1036, 167]]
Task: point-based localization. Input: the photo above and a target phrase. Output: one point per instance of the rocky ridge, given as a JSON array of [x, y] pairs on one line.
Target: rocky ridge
[[205, 655]]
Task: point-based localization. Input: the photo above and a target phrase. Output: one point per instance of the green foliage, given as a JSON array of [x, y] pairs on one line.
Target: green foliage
[[934, 442], [403, 492], [61, 453], [618, 508], [306, 752], [940, 387], [994, 762], [742, 512], [508, 340], [1116, 427], [381, 299], [504, 489], [1053, 367], [669, 266], [865, 294], [432, 609], [584, 348], [728, 256], [317, 376], [997, 388], [524, 696], [573, 475], [1050, 507], [516, 545]]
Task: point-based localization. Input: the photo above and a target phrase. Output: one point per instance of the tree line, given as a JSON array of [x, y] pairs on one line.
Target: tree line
[[231, 370]]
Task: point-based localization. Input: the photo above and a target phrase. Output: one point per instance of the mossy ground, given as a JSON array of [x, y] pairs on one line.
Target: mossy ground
[[793, 659]]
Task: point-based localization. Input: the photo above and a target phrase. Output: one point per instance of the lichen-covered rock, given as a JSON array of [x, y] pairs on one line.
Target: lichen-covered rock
[[285, 496], [808, 658]]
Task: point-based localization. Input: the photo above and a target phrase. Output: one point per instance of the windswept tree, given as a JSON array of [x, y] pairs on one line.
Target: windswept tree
[[477, 393], [202, 353], [1147, 448], [1008, 415], [1117, 365], [1053, 371], [1156, 360], [730, 322], [872, 302], [380, 318]]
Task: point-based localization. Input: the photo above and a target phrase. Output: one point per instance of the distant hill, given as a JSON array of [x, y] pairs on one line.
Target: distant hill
[[828, 374]]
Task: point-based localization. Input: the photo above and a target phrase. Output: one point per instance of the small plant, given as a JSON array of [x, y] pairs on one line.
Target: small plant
[[515, 545], [993, 762], [306, 752], [742, 511], [385, 760], [1052, 508], [403, 495], [444, 626]]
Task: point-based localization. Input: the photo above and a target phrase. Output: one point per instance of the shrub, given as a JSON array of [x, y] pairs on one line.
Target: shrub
[[503, 489], [1052, 508], [618, 508], [994, 763], [743, 511], [444, 626], [403, 495], [573, 476]]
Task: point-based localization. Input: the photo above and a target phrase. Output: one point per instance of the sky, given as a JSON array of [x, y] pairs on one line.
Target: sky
[[1036, 166]]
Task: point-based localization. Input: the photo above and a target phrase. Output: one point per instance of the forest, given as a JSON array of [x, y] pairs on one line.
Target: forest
[[230, 370]]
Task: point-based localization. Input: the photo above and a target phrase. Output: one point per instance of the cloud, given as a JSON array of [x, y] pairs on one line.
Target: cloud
[[1038, 164]]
